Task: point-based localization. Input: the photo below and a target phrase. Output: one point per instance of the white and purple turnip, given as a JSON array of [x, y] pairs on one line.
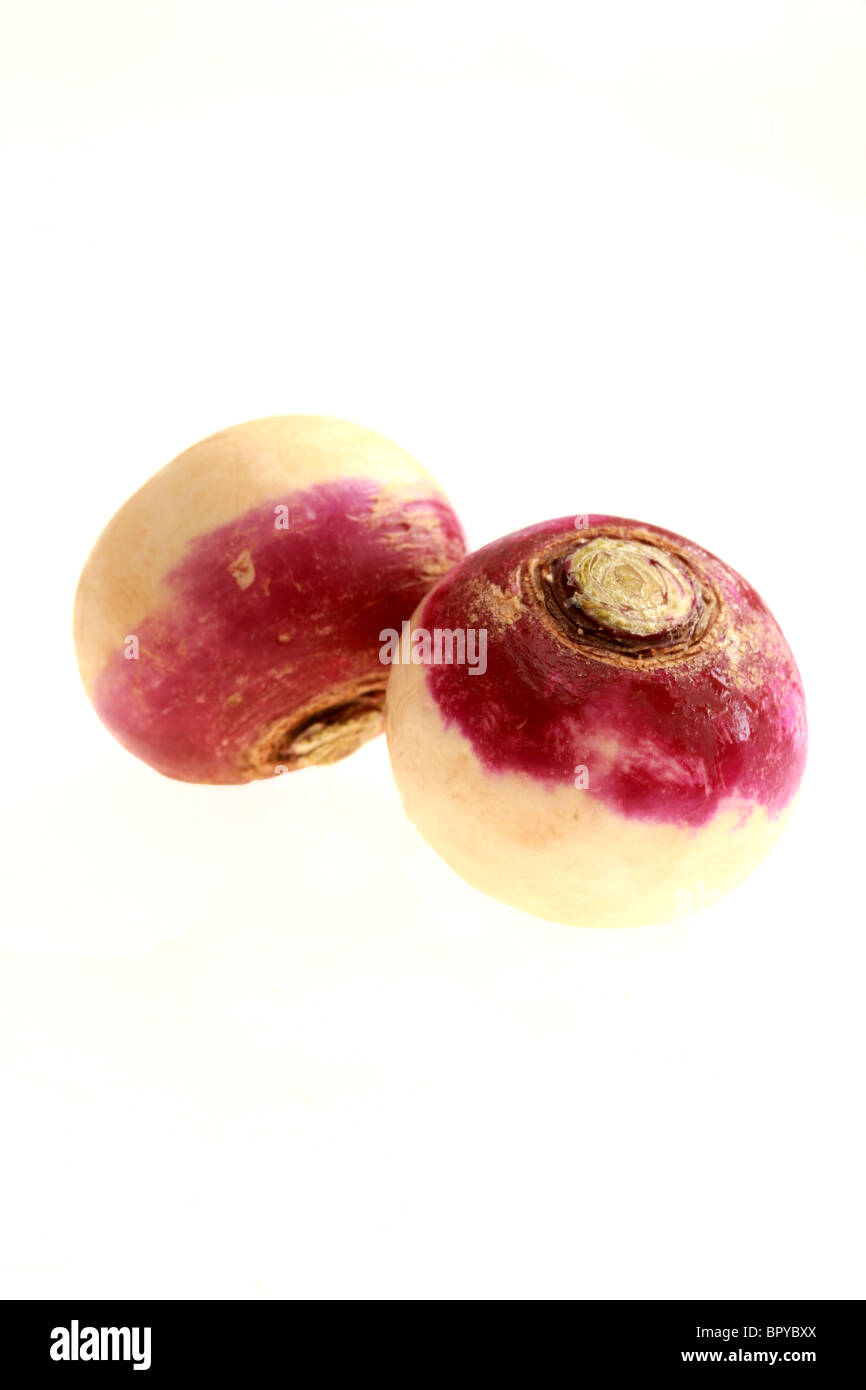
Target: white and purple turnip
[[227, 621], [635, 742]]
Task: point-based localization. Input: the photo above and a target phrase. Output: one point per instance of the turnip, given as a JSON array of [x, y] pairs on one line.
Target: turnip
[[633, 747], [227, 620]]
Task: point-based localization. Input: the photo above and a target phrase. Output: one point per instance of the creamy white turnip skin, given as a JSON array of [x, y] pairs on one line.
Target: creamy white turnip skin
[[227, 621], [636, 741]]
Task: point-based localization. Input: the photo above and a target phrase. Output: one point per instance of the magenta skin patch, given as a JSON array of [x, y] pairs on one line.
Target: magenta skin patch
[[266, 631], [675, 723]]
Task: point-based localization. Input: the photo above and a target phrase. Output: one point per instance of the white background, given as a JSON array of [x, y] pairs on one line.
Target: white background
[[259, 1041]]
